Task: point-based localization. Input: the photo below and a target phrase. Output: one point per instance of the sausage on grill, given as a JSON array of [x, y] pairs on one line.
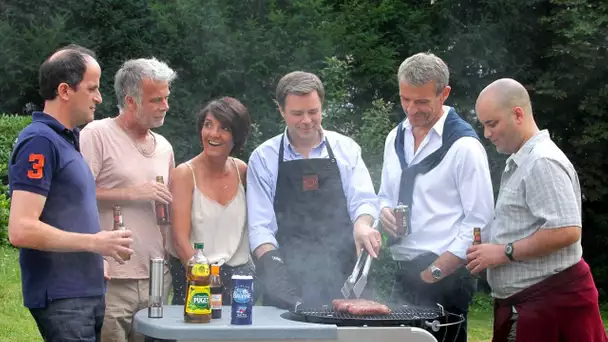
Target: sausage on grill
[[360, 307], [342, 305], [368, 309]]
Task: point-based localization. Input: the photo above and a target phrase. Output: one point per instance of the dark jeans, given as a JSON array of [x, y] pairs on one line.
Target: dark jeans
[[178, 273], [71, 319], [453, 292]]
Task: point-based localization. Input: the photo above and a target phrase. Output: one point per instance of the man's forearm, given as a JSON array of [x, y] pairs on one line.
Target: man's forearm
[[263, 249], [116, 194], [448, 263], [544, 242], [365, 218], [34, 234]]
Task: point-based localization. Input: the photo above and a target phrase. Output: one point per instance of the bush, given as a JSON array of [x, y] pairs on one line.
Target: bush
[[10, 126]]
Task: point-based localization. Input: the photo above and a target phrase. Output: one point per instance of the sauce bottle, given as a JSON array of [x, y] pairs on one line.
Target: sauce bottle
[[197, 308], [216, 292]]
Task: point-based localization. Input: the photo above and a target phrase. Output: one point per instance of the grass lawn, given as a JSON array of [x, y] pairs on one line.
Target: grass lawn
[[17, 325]]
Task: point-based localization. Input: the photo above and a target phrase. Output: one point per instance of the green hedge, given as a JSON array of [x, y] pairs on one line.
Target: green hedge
[[10, 126]]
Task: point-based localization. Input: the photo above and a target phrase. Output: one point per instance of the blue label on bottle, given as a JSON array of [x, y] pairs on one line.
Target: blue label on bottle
[[241, 295]]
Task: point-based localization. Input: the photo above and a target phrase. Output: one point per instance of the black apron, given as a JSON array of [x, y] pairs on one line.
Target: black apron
[[315, 232]]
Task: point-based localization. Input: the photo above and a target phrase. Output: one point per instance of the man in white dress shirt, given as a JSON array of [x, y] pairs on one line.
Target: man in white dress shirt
[[435, 164]]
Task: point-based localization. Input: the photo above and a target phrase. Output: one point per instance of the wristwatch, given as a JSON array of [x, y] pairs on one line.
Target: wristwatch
[[509, 251], [435, 272]]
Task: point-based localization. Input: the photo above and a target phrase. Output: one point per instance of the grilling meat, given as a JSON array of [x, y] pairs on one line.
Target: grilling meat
[[360, 307]]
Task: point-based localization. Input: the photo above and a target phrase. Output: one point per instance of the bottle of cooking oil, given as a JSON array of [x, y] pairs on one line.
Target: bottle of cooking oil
[[197, 308]]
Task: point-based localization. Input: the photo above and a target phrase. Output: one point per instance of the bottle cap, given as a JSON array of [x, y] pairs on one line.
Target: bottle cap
[[199, 245], [215, 269]]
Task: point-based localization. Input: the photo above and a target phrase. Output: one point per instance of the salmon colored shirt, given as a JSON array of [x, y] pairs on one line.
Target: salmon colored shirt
[[117, 163]]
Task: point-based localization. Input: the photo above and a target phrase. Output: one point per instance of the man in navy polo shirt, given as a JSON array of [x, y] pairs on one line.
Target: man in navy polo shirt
[[54, 218]]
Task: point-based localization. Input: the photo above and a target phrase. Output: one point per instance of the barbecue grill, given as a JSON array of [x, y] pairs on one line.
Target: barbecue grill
[[428, 318], [400, 315]]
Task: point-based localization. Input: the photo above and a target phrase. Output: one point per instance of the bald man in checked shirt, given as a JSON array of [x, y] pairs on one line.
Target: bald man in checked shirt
[[543, 289]]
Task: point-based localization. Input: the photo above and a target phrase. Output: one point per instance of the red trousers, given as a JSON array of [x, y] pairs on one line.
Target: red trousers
[[561, 308]]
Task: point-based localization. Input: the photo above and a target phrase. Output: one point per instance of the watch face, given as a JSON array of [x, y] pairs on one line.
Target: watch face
[[509, 249], [436, 273]]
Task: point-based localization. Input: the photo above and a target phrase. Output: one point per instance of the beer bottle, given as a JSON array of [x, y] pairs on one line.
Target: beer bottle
[[476, 236], [119, 225], [162, 209], [197, 308], [216, 292]]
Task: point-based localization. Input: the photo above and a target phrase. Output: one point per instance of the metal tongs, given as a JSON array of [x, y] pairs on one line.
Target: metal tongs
[[352, 285]]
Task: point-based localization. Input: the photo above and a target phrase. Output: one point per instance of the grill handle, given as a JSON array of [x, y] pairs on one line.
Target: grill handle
[[435, 325]]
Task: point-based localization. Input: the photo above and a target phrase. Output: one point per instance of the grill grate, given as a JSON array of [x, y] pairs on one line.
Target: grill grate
[[401, 315]]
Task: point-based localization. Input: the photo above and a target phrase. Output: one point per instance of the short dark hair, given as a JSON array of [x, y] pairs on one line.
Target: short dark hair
[[231, 113], [66, 65], [298, 83]]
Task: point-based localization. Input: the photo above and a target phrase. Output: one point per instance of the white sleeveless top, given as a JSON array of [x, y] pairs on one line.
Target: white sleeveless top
[[223, 229]]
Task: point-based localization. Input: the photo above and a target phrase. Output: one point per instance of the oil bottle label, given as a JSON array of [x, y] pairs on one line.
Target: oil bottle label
[[200, 270], [198, 300]]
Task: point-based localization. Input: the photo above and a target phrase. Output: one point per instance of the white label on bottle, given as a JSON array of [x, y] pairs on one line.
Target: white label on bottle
[[216, 301]]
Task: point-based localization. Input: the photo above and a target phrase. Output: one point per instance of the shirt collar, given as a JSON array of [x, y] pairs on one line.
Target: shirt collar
[[287, 142], [437, 127], [57, 126], [528, 146]]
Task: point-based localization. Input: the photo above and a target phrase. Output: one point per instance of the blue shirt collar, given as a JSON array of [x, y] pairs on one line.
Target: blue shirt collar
[[70, 135], [287, 142]]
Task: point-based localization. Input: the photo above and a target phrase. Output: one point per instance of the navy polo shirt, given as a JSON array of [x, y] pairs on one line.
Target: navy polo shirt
[[46, 160]]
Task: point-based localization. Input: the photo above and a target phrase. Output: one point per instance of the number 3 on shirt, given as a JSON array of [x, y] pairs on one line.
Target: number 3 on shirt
[[37, 167]]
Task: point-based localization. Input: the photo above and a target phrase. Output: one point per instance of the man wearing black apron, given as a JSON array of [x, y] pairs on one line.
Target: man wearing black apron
[[311, 203], [435, 164]]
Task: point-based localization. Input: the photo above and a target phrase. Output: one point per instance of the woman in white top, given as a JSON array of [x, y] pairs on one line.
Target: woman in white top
[[209, 204]]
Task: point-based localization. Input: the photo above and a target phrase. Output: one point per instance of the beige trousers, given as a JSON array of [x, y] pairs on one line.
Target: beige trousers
[[125, 297]]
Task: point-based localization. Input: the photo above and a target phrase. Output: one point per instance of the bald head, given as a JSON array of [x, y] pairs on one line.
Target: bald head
[[505, 111], [506, 94]]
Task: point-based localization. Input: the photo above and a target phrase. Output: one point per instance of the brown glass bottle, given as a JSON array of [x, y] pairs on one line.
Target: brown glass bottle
[[216, 292], [197, 308], [162, 209], [119, 225], [476, 236]]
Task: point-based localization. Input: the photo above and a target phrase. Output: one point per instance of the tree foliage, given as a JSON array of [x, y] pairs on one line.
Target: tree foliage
[[240, 48]]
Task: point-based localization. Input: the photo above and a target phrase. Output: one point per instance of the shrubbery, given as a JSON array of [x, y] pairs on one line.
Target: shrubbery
[[10, 126]]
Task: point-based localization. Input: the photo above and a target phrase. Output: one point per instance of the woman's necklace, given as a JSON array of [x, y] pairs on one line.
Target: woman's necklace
[[141, 147]]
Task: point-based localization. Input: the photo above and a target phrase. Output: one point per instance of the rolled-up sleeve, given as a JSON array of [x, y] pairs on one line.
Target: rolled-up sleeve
[[551, 196], [389, 185], [260, 210], [360, 193], [474, 184]]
